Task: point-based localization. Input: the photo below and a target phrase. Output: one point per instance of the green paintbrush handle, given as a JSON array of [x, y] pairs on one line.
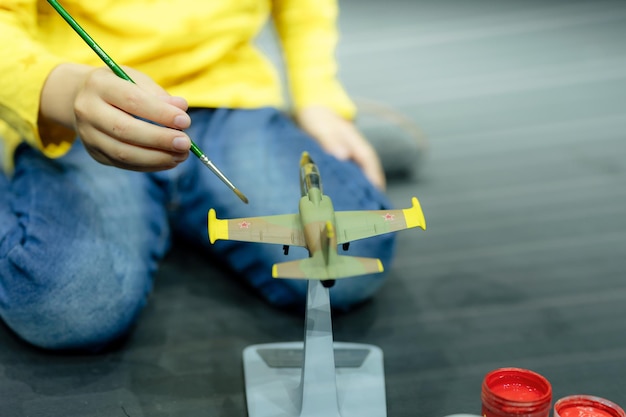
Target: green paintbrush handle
[[89, 40]]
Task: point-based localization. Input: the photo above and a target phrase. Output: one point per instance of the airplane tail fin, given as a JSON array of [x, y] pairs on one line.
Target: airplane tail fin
[[315, 268]]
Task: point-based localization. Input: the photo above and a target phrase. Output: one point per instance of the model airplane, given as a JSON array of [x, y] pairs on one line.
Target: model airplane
[[320, 229]]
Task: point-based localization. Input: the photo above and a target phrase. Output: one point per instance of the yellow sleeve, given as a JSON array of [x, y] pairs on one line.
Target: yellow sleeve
[[24, 67], [308, 33]]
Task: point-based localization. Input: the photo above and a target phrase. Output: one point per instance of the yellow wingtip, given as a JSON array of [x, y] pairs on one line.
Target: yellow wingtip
[[380, 266], [275, 271], [218, 229], [414, 216]]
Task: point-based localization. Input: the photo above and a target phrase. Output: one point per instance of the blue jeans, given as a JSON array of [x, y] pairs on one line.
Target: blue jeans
[[80, 242]]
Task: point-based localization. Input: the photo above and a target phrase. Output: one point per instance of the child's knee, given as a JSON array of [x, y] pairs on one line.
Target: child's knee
[[69, 303], [73, 319]]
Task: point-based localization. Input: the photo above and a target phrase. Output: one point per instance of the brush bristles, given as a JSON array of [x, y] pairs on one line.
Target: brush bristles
[[240, 195]]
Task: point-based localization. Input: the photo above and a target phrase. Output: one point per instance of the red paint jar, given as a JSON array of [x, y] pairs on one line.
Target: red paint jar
[[586, 406], [515, 392]]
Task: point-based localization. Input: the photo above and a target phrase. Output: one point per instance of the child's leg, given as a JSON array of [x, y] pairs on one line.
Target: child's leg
[[79, 243], [259, 150]]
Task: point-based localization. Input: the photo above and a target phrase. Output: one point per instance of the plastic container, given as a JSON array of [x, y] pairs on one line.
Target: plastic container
[[586, 406], [516, 392]]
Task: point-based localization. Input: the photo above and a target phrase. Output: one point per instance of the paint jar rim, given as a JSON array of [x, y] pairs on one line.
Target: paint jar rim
[[589, 401], [508, 404]]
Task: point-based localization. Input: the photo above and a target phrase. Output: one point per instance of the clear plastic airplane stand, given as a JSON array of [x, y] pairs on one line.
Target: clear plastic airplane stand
[[317, 377]]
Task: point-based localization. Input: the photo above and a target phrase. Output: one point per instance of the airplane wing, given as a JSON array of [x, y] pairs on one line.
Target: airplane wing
[[354, 225], [283, 229]]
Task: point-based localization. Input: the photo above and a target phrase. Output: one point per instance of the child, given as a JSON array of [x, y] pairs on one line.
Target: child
[[97, 175]]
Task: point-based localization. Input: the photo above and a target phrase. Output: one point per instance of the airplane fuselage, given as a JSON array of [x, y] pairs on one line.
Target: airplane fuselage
[[316, 211], [316, 217]]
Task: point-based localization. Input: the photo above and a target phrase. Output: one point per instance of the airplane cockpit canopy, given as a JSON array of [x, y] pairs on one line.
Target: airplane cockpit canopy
[[311, 177]]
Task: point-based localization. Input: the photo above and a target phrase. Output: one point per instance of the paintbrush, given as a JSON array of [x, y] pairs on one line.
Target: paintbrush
[[120, 73]]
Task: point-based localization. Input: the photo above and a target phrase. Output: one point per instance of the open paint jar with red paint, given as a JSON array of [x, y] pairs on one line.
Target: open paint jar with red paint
[[586, 406], [516, 392]]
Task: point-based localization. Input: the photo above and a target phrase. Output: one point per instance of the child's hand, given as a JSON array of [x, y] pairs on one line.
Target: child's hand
[[340, 138], [105, 112], [107, 109]]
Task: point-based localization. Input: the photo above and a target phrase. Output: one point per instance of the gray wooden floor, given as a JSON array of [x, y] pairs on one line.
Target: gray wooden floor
[[523, 263]]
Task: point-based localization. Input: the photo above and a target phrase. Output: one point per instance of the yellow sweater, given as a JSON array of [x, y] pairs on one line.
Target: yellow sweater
[[200, 50]]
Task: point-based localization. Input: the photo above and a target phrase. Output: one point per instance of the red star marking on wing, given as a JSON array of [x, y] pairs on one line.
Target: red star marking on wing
[[244, 225], [389, 217]]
